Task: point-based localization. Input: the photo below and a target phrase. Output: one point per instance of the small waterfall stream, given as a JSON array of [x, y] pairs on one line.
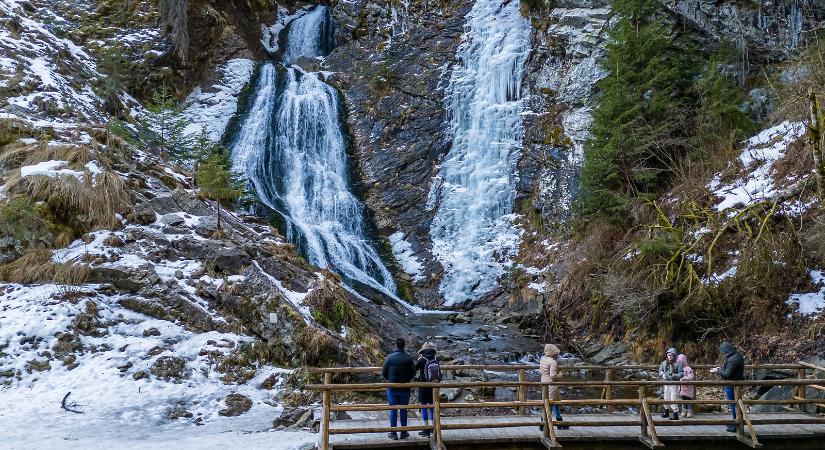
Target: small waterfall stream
[[292, 149], [473, 192]]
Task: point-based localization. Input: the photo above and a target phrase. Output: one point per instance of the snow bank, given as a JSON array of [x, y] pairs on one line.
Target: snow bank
[[757, 158], [211, 111]]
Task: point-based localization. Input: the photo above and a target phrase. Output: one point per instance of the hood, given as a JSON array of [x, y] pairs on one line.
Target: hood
[[427, 346], [672, 350], [682, 359], [726, 348], [551, 350]]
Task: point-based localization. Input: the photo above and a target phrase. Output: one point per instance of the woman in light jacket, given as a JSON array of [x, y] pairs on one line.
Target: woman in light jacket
[[549, 368]]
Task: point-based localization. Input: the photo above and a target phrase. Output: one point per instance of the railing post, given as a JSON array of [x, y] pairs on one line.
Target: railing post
[[439, 440], [740, 421], [801, 390], [549, 430], [608, 390], [642, 415], [327, 396], [522, 377]]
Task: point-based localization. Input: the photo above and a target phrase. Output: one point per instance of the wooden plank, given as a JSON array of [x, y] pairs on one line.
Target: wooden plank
[[567, 384], [437, 436], [608, 390], [516, 367], [378, 429], [549, 429], [549, 444], [811, 366], [522, 390]]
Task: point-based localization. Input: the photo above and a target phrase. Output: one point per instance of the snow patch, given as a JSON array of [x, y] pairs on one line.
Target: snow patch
[[402, 250], [811, 303], [210, 112]]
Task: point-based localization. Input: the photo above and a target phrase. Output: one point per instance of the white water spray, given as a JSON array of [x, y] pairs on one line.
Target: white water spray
[[472, 231]]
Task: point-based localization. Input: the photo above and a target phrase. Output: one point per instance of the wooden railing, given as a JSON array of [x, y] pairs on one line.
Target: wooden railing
[[745, 430]]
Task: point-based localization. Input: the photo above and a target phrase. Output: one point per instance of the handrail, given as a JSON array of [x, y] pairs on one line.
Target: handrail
[[743, 422], [564, 368]]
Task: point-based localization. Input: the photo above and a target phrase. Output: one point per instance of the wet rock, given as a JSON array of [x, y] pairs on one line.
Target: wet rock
[[123, 367], [144, 214], [294, 418], [450, 394], [459, 318], [172, 220], [169, 368], [230, 260], [139, 375], [236, 404], [609, 353]]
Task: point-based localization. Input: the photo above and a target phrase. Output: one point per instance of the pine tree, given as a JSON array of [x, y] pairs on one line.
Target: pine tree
[[217, 181], [642, 122], [164, 125], [202, 147]]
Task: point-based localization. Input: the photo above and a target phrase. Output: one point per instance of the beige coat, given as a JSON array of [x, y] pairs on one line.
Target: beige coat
[[550, 369]]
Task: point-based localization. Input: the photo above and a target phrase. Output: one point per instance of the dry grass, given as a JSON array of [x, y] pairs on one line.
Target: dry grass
[[36, 266]]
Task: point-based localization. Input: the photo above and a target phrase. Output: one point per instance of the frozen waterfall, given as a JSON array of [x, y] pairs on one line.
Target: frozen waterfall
[[292, 148], [472, 231]]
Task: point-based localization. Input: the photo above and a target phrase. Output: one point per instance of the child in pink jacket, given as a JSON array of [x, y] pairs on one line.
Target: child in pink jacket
[[686, 391]]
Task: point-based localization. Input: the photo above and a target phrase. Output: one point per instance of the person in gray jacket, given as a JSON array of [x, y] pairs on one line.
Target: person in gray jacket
[[671, 370]]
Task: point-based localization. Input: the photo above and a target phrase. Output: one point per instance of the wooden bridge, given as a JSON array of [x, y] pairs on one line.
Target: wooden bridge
[[519, 426]]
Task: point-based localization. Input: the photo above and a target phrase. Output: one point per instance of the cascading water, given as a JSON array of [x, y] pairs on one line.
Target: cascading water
[[293, 151], [473, 192]]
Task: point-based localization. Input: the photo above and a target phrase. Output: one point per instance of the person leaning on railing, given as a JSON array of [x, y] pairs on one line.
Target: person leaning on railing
[[399, 367], [733, 369]]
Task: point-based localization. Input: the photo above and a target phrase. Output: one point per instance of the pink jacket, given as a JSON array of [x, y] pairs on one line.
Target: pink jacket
[[686, 390]]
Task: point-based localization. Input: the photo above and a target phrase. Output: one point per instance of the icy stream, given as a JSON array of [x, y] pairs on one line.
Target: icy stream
[[292, 148], [472, 232]]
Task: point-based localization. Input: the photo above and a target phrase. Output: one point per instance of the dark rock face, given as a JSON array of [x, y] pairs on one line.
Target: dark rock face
[[393, 83], [294, 418]]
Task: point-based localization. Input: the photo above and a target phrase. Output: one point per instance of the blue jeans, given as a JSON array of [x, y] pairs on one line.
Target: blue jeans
[[398, 397], [729, 396], [557, 412], [424, 413]]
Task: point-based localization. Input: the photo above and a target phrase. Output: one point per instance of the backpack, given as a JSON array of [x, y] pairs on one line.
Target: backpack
[[432, 371]]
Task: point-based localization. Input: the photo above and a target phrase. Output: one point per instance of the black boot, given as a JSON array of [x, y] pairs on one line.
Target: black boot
[[393, 435], [404, 435], [561, 427], [425, 433], [665, 414], [675, 416], [731, 428]]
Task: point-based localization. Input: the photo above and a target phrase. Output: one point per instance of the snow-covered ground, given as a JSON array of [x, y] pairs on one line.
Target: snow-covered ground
[[211, 111], [119, 411]]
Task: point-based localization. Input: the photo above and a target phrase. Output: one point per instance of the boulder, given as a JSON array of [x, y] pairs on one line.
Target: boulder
[[169, 368], [236, 404], [294, 418], [177, 411]]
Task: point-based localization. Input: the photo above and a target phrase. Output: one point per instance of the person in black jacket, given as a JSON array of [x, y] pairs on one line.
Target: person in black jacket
[[425, 394], [399, 367], [732, 369]]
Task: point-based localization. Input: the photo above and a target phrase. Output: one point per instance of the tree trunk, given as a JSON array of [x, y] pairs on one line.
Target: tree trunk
[[816, 132], [219, 214]]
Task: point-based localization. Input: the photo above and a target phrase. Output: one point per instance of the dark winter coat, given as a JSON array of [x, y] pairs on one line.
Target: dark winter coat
[[399, 367], [734, 367], [425, 394]]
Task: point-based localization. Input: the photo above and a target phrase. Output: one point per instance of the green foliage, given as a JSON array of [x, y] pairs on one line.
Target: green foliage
[[218, 182], [113, 63], [163, 127], [721, 122], [639, 125]]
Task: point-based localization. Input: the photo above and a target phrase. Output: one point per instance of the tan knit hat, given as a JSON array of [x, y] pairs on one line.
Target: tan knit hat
[[427, 346]]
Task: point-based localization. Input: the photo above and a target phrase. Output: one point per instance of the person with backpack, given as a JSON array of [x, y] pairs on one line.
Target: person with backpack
[[399, 367], [732, 369], [428, 371], [549, 368]]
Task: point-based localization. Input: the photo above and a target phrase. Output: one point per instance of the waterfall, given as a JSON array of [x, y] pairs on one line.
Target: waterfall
[[292, 149], [472, 231]]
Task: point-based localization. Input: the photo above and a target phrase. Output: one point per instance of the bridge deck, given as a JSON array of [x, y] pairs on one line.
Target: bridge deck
[[582, 434]]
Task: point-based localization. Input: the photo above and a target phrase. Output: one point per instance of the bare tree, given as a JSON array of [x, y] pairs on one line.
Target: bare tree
[[174, 16]]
